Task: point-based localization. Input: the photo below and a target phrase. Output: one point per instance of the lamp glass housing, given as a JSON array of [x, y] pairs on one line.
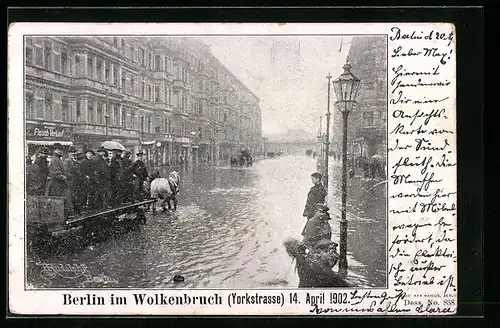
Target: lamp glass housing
[[346, 88]]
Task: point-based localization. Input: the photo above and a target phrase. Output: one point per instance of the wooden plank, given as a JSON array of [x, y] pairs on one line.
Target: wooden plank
[[115, 210]]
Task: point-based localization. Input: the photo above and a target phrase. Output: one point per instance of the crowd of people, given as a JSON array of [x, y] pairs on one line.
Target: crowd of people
[[90, 180]]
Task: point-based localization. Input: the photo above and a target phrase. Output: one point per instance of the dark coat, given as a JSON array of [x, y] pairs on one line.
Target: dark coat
[[102, 172], [126, 173], [43, 164], [35, 180], [68, 165], [316, 195], [316, 229], [58, 183], [116, 170], [316, 276], [139, 169]]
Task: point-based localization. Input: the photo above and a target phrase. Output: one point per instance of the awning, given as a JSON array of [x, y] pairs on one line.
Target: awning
[[49, 142]]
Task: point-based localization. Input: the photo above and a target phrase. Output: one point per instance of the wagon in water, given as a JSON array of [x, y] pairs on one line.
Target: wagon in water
[[49, 224]]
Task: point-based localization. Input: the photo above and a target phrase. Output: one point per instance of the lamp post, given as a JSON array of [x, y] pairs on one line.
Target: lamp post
[[327, 142], [346, 87], [320, 139]]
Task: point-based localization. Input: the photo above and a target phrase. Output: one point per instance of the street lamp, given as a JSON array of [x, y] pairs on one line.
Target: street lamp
[[346, 87], [327, 143]]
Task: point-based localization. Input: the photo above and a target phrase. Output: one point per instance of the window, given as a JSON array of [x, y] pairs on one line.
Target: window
[[150, 60], [143, 90], [131, 52], [78, 111], [367, 118], [90, 108], [149, 92], [149, 124], [157, 129], [90, 67], [65, 114], [157, 93], [142, 57], [29, 55], [115, 41], [124, 81], [78, 66], [115, 76], [106, 74], [48, 105], [124, 118], [99, 69], [64, 62], [99, 112], [132, 121], [166, 64], [116, 115], [29, 106], [132, 85], [142, 123], [47, 55], [157, 63], [38, 55], [123, 43]]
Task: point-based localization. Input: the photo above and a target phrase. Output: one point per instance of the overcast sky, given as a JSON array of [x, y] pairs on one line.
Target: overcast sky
[[292, 87]]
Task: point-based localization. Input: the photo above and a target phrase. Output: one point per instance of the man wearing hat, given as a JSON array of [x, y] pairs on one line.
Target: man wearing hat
[[116, 171], [43, 164], [87, 167], [78, 183], [58, 184], [140, 174], [316, 195], [127, 177], [103, 181], [70, 160], [318, 228]]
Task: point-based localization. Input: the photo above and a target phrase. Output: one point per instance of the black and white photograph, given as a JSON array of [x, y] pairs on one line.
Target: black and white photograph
[[218, 161]]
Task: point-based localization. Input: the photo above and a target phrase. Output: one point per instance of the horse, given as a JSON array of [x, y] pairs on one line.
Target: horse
[[314, 267], [166, 189]]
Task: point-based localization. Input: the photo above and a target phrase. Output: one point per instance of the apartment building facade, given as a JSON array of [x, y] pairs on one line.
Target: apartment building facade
[[167, 96]]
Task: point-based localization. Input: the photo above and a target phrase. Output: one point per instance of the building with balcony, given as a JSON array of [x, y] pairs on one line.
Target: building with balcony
[[167, 96], [367, 125]]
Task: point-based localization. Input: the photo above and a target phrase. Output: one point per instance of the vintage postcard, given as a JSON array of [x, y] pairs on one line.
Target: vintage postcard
[[232, 169]]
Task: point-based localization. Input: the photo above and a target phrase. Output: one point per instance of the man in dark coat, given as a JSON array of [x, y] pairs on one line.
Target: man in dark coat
[[58, 184], [42, 162], [318, 228], [140, 173], [78, 184], [316, 195], [70, 160], [103, 180], [87, 168], [116, 172], [35, 180], [127, 178]]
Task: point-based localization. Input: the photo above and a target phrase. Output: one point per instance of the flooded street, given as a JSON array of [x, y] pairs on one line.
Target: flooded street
[[229, 232]]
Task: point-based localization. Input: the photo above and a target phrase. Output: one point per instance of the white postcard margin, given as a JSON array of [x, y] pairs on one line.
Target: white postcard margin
[[422, 246]]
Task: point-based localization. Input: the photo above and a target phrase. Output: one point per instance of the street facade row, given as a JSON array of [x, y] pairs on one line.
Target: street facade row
[[168, 96]]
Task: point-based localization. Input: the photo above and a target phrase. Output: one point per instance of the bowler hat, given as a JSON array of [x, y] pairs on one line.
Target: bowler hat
[[316, 175], [45, 151], [57, 145], [322, 207]]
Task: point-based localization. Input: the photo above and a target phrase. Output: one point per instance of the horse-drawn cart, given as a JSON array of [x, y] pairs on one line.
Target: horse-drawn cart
[[48, 219]]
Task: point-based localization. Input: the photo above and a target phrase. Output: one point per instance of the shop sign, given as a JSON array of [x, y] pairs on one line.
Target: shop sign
[[47, 132]]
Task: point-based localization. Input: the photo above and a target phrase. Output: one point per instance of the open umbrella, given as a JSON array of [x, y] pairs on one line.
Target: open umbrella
[[113, 145]]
